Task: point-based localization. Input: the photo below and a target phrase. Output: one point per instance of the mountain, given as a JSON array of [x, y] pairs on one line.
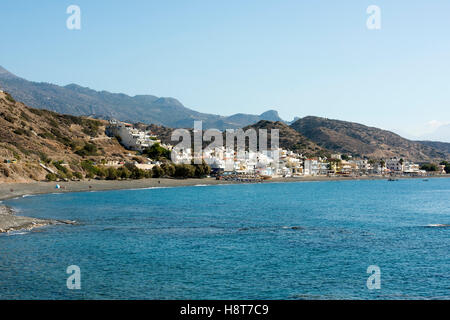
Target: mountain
[[77, 100], [29, 136], [442, 146], [289, 138], [360, 140]]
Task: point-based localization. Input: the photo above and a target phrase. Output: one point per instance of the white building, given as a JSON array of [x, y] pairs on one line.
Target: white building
[[311, 167], [394, 165], [131, 138]]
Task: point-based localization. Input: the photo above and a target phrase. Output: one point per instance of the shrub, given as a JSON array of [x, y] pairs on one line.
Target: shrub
[[157, 172], [89, 149], [137, 173], [37, 112], [123, 173], [184, 171], [169, 169], [78, 175], [58, 165], [20, 131], [100, 172], [8, 118], [90, 127], [24, 116], [51, 177], [46, 135], [111, 174], [9, 98]]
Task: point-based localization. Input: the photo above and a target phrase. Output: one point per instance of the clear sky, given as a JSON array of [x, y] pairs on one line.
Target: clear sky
[[298, 57]]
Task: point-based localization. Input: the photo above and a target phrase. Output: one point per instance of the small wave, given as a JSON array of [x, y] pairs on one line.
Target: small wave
[[201, 185], [437, 225], [146, 188], [150, 188], [27, 195], [16, 233]]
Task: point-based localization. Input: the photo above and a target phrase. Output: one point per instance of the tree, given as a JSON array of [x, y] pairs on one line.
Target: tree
[[157, 152], [429, 167], [201, 170]]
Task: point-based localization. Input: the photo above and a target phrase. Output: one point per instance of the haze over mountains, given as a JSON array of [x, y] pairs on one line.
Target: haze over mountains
[[311, 135], [77, 100]]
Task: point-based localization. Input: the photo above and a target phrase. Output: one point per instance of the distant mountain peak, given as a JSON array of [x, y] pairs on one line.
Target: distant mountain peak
[[271, 115]]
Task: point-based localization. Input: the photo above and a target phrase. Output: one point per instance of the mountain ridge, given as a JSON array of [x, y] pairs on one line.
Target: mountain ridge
[[361, 140], [81, 101]]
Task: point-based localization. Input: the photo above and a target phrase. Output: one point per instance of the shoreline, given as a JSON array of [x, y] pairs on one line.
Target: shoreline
[[10, 222], [14, 190]]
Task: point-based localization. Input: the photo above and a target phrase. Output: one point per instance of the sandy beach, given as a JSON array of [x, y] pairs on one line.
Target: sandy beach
[[9, 221]]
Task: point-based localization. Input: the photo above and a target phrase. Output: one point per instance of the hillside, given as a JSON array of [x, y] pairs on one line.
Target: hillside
[[289, 138], [31, 136], [76, 100], [441, 146], [360, 140]]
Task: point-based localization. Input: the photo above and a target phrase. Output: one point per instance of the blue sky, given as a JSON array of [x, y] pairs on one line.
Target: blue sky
[[298, 57]]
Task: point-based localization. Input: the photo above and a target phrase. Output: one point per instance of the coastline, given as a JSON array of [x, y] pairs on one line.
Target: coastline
[[10, 222], [13, 190]]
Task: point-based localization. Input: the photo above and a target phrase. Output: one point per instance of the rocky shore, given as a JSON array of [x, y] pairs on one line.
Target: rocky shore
[[11, 222]]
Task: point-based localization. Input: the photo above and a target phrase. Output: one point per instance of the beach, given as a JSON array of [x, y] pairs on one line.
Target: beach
[[9, 221]]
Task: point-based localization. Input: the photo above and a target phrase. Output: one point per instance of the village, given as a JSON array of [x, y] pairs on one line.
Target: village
[[225, 163]]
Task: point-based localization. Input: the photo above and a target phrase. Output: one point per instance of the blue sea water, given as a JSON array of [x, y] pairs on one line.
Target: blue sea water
[[307, 240]]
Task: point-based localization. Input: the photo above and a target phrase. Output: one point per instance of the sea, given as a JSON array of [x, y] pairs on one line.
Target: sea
[[302, 240]]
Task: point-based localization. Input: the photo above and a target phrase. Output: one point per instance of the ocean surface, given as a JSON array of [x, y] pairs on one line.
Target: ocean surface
[[307, 240]]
